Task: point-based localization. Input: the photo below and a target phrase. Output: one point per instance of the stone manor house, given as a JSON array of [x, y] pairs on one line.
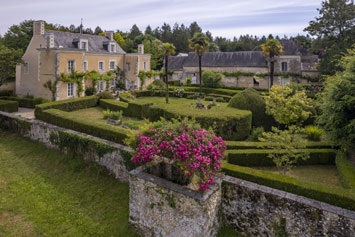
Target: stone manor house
[[51, 53], [294, 60]]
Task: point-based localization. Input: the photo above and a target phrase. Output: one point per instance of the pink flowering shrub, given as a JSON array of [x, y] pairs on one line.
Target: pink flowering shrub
[[193, 149]]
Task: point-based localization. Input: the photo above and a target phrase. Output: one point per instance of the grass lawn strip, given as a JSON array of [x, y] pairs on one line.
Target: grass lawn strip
[[53, 195]]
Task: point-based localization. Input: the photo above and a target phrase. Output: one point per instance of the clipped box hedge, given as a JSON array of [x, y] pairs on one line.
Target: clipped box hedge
[[346, 170], [229, 123], [25, 101], [67, 105], [233, 145], [207, 90], [71, 121], [258, 157], [6, 92], [113, 105], [335, 196], [8, 106]]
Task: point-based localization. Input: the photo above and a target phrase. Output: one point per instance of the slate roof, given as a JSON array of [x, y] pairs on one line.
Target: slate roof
[[309, 63], [176, 62], [219, 59], [96, 42], [291, 47]]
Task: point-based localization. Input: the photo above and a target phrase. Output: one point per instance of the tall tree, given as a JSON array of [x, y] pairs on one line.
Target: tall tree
[[134, 32], [337, 103], [271, 49], [166, 34], [148, 30], [98, 30], [335, 26], [194, 28], [200, 44], [19, 36], [8, 59], [167, 49]]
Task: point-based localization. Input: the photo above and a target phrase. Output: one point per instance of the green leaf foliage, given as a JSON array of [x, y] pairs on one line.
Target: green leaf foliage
[[337, 103], [332, 195], [212, 79], [8, 106], [251, 100]]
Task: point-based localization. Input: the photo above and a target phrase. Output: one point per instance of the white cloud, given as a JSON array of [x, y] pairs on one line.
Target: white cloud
[[113, 14]]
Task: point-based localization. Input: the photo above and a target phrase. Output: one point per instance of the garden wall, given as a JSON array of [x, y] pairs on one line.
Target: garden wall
[[249, 208], [114, 157], [258, 210]]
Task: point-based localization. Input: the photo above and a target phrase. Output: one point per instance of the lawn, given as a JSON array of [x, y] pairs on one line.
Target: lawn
[[322, 174], [95, 114], [174, 100], [43, 192]]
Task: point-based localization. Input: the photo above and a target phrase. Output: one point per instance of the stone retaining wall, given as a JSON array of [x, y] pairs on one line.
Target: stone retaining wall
[[114, 157], [257, 210], [160, 207]]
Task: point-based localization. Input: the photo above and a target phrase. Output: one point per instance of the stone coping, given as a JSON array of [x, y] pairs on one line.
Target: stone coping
[[198, 195], [51, 126], [300, 199]]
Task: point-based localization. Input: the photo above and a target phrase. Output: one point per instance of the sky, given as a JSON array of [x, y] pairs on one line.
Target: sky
[[227, 18]]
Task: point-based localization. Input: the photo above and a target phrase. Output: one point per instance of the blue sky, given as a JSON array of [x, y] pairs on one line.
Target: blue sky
[[226, 18]]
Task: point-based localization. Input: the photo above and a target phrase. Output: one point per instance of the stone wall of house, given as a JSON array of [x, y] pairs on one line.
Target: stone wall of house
[[162, 208], [116, 160], [256, 210]]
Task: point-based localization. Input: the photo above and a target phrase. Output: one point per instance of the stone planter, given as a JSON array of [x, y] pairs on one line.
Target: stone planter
[[113, 121], [159, 207]]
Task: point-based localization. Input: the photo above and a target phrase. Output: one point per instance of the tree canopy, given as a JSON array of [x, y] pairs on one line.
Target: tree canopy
[[337, 103], [335, 32]]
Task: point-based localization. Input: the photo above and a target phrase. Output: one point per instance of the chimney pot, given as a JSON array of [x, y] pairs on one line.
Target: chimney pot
[[38, 27], [109, 34], [141, 48]]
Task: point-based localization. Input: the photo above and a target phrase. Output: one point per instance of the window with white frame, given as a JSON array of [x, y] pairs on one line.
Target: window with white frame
[[112, 65], [284, 66], [70, 89], [71, 66], [145, 66], [128, 67], [101, 66], [112, 83], [102, 85], [84, 44], [25, 67], [85, 66], [112, 48]]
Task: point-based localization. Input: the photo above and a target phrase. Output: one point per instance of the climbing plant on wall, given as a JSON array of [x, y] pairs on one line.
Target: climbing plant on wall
[[80, 77]]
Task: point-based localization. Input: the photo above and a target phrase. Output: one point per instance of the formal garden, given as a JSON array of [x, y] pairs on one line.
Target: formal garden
[[289, 138]]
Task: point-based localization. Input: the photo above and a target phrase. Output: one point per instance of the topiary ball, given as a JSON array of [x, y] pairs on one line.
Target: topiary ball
[[105, 95], [250, 99]]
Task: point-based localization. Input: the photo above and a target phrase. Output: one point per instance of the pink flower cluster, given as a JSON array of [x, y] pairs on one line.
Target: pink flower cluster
[[195, 151]]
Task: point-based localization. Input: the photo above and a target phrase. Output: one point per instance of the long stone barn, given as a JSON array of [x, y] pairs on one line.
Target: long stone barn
[[294, 61]]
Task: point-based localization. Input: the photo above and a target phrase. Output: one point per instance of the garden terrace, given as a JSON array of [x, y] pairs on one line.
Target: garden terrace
[[229, 123]]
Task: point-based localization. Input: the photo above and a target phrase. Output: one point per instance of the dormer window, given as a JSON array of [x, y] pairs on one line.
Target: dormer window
[[112, 48], [84, 44]]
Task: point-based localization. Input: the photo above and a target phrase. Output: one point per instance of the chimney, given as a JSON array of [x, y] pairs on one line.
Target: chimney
[[50, 40], [38, 28], [141, 49], [109, 35]]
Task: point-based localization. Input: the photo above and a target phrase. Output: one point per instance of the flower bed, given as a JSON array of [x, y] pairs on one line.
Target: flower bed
[[194, 150]]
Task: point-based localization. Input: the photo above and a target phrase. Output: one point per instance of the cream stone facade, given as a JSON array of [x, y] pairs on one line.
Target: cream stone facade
[[51, 53]]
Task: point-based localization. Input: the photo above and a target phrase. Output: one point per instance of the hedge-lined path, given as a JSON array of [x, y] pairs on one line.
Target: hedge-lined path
[[45, 193], [26, 113]]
